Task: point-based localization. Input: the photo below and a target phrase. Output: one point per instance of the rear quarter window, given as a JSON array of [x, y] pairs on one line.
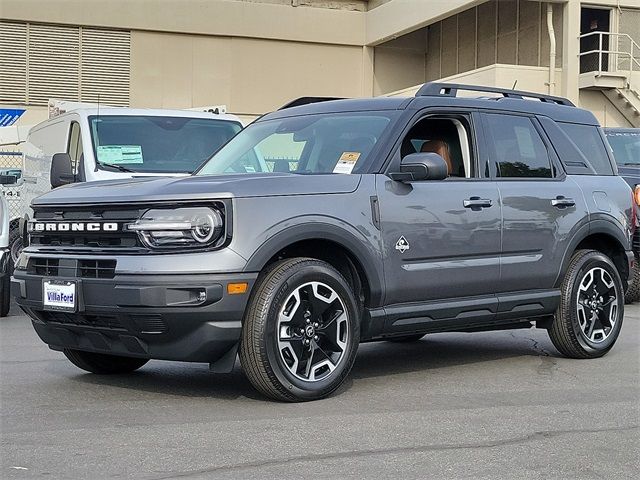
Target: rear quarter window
[[588, 140]]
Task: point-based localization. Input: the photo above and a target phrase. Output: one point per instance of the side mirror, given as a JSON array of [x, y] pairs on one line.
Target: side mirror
[[421, 166], [61, 172]]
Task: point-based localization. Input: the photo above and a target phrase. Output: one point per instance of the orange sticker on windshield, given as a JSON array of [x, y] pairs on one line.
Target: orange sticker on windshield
[[349, 157]]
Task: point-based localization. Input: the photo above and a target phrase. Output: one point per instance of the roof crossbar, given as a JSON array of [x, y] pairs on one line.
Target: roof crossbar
[[435, 89], [306, 101]]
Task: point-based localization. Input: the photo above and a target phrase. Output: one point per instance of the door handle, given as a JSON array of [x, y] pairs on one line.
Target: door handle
[[563, 202], [477, 203]]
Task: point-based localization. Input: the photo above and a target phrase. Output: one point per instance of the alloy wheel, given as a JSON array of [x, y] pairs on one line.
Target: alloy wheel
[[597, 305], [313, 331]]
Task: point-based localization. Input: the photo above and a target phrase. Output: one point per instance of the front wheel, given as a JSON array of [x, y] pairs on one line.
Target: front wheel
[[15, 244], [591, 310], [301, 331], [102, 363]]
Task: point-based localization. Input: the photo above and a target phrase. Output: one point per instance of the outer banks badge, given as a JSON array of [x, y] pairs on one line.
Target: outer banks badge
[[402, 245]]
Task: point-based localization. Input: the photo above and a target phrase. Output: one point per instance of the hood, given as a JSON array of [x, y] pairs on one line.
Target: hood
[[630, 174], [198, 188]]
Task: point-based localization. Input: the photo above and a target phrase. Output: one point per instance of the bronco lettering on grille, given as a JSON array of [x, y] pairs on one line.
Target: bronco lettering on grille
[[72, 226]]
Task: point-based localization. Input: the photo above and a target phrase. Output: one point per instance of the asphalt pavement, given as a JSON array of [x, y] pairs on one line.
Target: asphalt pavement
[[499, 405]]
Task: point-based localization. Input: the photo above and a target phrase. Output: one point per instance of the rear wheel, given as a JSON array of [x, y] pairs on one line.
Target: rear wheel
[[591, 310], [102, 363], [301, 331], [633, 293]]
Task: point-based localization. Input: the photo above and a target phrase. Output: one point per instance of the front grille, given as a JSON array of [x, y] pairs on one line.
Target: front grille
[[149, 323], [636, 241], [123, 241], [96, 268], [70, 267], [75, 240], [47, 267], [110, 322], [138, 324]]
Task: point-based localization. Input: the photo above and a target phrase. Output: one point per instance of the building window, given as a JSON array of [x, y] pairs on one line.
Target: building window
[[42, 62]]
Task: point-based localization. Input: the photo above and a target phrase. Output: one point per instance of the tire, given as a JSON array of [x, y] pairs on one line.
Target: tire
[[103, 364], [294, 302], [406, 338], [5, 295], [15, 243], [633, 293], [574, 332]]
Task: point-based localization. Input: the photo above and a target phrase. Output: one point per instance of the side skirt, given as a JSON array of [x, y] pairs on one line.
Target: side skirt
[[488, 312]]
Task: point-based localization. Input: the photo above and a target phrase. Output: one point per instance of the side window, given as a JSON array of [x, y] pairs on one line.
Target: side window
[[448, 137], [519, 150], [75, 146], [588, 141]]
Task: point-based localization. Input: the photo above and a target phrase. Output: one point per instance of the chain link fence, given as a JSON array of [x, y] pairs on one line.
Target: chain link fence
[[11, 164]]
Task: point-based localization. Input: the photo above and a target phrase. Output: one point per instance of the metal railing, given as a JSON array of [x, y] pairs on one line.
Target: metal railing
[[611, 53]]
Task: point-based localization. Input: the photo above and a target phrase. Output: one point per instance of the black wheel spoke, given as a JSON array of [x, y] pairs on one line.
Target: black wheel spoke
[[317, 306]]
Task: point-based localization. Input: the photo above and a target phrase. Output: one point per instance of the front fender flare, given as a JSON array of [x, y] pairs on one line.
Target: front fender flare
[[361, 247]]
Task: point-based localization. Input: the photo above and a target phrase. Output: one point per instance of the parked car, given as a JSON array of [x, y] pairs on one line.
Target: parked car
[[91, 144], [5, 256], [625, 143], [342, 238]]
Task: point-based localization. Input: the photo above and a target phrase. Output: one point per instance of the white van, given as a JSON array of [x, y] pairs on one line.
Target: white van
[[89, 144]]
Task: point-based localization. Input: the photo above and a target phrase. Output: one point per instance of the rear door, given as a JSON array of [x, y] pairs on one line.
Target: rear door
[[541, 206]]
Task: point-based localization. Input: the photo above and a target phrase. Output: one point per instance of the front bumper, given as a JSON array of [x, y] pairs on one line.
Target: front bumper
[[185, 317]]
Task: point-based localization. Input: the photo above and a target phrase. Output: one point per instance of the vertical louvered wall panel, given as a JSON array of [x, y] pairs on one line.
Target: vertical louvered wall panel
[[13, 62], [105, 61], [53, 63], [41, 62]]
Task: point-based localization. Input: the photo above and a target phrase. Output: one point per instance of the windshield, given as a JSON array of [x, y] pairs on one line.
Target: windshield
[[311, 144], [625, 146], [157, 144]]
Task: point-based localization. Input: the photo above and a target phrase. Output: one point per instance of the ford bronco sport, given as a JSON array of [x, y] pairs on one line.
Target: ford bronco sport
[[374, 219], [625, 143]]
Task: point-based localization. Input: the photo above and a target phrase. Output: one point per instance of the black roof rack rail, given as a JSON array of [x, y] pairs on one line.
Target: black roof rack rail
[[435, 89], [307, 100]]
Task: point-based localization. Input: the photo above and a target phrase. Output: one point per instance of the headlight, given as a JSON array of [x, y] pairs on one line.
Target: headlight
[[182, 227]]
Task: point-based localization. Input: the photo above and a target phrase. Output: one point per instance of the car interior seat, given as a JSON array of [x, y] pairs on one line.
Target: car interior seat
[[441, 148]]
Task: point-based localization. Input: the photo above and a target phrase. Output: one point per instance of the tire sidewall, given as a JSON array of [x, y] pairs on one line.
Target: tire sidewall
[[295, 386], [590, 261]]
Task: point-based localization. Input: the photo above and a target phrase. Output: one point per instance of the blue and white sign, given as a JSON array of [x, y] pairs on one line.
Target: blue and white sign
[[9, 116]]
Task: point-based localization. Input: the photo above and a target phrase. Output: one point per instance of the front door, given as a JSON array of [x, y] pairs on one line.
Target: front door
[[441, 239]]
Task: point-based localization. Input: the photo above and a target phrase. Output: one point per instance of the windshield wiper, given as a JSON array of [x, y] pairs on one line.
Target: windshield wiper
[[117, 167]]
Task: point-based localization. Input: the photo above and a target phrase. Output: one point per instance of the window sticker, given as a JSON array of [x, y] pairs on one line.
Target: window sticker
[[117, 154], [346, 162], [525, 142]]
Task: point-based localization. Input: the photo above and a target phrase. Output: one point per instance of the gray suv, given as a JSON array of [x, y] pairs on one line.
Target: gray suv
[[330, 223]]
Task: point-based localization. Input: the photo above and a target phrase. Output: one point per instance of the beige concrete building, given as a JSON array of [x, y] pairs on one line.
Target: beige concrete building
[[255, 55]]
